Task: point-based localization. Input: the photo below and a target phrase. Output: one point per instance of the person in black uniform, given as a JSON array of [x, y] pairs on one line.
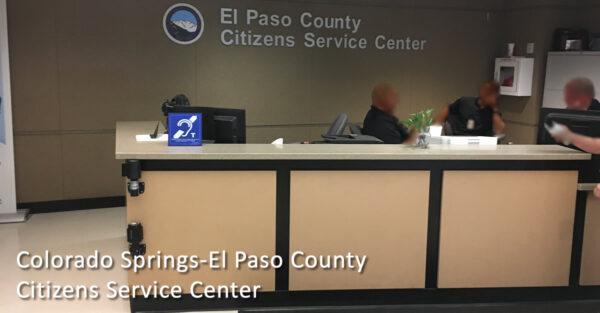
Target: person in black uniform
[[474, 116], [579, 94], [380, 121]]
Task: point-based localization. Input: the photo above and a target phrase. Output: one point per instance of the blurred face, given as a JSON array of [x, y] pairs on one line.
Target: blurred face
[[389, 100], [488, 96], [575, 99]]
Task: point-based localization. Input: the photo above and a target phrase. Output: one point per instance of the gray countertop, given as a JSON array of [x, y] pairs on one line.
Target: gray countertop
[[128, 148]]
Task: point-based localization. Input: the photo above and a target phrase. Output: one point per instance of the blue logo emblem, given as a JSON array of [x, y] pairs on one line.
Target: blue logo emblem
[[183, 23], [185, 129]]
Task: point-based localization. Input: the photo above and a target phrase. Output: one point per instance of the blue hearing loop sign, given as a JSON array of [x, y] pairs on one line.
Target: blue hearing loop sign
[[185, 129]]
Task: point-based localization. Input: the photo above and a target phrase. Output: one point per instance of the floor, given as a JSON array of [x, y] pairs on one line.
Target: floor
[[83, 232], [77, 232]]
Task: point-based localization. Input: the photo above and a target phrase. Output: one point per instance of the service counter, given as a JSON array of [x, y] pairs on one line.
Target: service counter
[[439, 225]]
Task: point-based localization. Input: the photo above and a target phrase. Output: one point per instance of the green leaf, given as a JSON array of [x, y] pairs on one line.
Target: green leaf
[[420, 120]]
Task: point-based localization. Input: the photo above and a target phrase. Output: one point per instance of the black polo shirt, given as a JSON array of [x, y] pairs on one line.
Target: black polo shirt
[[468, 118], [594, 106], [384, 126]]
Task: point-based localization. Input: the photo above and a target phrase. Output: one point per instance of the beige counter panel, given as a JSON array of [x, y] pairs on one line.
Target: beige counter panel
[[381, 214], [195, 212], [128, 148], [506, 228], [590, 265]]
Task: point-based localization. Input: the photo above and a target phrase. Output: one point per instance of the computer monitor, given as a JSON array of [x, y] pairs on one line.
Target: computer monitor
[[230, 125], [582, 122], [219, 125]]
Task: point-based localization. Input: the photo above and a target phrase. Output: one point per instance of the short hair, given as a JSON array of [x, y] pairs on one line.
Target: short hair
[[584, 85]]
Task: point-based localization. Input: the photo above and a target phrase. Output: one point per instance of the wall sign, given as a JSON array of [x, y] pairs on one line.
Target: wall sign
[[185, 129], [320, 32], [183, 23], [248, 27]]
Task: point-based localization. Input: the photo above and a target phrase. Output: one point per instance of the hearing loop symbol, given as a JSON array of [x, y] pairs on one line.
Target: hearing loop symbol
[[190, 124]]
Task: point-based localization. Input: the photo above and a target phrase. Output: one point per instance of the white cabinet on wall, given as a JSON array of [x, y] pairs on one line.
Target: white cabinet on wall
[[515, 76], [564, 66]]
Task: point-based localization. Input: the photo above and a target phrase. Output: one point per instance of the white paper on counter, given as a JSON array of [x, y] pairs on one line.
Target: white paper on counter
[[147, 138]]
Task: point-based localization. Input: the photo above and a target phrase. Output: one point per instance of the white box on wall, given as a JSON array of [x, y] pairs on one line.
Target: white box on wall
[[515, 76]]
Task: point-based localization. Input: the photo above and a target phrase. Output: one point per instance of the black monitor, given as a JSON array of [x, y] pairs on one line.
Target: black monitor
[[219, 125], [581, 122], [229, 125]]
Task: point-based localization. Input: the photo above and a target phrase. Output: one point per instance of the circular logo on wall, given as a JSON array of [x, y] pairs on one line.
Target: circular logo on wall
[[183, 23]]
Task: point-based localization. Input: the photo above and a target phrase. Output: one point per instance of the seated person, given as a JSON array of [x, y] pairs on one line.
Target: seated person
[[380, 121], [475, 116], [579, 94]]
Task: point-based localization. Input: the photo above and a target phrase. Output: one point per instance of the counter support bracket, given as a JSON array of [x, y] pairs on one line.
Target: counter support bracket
[[578, 234], [282, 244], [433, 227]]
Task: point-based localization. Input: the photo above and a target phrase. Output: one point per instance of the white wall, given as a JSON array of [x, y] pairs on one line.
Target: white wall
[[7, 166]]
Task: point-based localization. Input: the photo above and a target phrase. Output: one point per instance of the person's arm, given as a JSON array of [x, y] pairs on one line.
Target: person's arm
[[497, 123], [445, 113], [585, 143], [442, 116], [564, 135], [412, 138], [388, 133], [405, 135]]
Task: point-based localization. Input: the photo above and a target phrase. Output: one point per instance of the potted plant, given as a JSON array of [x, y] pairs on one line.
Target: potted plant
[[420, 123]]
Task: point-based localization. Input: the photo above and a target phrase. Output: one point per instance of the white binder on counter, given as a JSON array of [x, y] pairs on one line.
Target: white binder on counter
[[466, 140]]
